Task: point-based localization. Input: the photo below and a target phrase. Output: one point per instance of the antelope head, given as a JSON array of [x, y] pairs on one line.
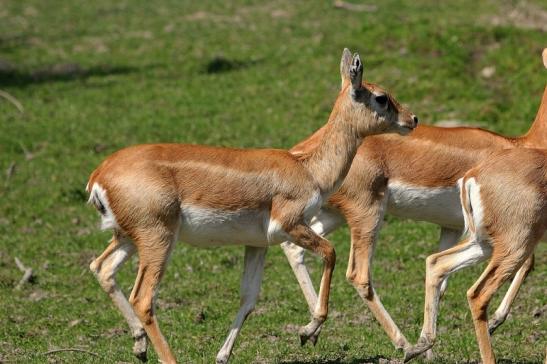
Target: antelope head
[[370, 108]]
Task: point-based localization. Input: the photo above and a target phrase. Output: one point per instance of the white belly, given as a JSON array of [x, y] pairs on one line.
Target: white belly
[[439, 205], [205, 227]]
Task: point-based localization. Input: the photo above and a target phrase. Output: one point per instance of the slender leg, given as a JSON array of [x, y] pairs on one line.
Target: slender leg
[[305, 237], [325, 222], [153, 255], [250, 288], [295, 256], [479, 295], [503, 310], [365, 224], [438, 267], [448, 238], [105, 268]]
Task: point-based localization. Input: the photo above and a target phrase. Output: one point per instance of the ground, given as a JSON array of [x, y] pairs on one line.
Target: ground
[[93, 77]]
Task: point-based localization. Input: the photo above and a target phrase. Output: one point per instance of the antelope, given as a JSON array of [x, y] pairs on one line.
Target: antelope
[[152, 195], [412, 177], [504, 202]]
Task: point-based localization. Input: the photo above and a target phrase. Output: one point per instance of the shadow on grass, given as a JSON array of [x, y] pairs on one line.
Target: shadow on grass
[[10, 75], [220, 64], [374, 360]]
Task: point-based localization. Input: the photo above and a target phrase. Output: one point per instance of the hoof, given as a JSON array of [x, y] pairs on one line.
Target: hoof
[[309, 332], [140, 347], [222, 361], [303, 340], [493, 324], [142, 356], [416, 350], [429, 356]]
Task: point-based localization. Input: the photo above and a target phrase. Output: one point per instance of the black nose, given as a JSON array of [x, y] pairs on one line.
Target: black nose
[[415, 118]]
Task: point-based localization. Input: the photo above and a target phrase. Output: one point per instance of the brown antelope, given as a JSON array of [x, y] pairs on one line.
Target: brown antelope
[[413, 177], [504, 201], [152, 195]]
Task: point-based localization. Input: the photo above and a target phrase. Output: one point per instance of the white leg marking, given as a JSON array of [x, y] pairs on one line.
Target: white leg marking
[[449, 238], [250, 288]]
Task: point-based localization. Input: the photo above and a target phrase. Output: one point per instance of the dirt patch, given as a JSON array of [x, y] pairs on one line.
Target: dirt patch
[[522, 15]]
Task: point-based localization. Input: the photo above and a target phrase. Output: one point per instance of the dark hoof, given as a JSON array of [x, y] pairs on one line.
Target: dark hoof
[[142, 356], [303, 340], [416, 350], [493, 325], [313, 339]]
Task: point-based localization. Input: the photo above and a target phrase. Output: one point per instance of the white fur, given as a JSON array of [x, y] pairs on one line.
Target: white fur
[[207, 227], [439, 205], [108, 220], [326, 220], [474, 196], [313, 205]]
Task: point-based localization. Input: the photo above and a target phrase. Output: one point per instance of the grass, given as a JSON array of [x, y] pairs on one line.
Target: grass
[[94, 77]]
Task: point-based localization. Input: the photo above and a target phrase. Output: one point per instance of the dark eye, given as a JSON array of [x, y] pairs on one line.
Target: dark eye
[[381, 100]]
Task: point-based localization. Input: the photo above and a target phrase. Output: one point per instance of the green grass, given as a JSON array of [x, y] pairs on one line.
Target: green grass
[[97, 76]]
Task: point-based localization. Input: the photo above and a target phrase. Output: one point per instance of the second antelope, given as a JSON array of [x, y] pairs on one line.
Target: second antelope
[[504, 200], [152, 195], [412, 177]]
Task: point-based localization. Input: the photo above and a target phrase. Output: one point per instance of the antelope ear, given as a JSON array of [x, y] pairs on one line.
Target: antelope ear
[[345, 64], [544, 54], [356, 72]]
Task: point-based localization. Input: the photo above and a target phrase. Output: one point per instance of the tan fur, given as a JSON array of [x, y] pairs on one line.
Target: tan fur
[[148, 186], [510, 191], [431, 157]]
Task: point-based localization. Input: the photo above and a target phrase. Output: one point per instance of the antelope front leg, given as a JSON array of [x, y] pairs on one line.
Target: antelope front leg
[[359, 274], [305, 237], [250, 287], [364, 220], [105, 268], [295, 256], [322, 224]]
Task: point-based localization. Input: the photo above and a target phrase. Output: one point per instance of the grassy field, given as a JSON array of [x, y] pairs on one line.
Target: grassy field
[[94, 77]]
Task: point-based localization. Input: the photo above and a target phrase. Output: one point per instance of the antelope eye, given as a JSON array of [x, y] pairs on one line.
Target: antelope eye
[[381, 100]]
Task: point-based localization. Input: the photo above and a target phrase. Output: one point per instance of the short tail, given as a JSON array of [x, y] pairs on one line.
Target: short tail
[[467, 205], [99, 199]]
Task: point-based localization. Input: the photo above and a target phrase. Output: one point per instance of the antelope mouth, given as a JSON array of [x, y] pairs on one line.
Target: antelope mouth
[[406, 129]]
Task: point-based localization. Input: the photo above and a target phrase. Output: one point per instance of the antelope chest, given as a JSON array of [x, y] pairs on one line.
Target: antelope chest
[[439, 205]]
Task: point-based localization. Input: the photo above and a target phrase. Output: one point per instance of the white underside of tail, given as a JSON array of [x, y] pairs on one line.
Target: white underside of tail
[[98, 198], [474, 216]]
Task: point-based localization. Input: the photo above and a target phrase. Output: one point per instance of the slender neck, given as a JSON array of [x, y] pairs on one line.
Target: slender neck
[[329, 161], [537, 135]]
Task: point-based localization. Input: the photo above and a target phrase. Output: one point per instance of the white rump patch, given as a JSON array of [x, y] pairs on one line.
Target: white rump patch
[[98, 198]]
